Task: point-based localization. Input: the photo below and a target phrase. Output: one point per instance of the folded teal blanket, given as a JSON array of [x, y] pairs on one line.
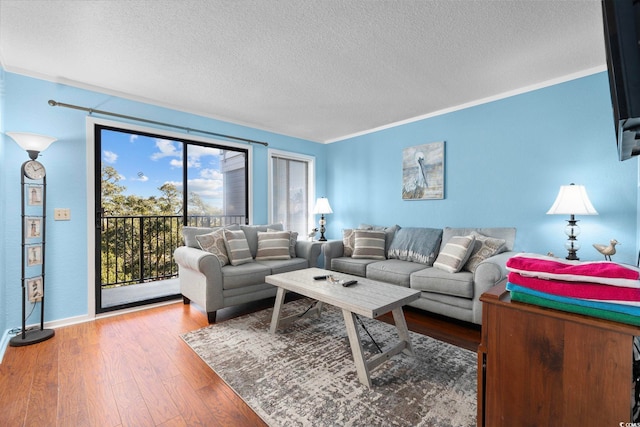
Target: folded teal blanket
[[601, 305], [571, 308]]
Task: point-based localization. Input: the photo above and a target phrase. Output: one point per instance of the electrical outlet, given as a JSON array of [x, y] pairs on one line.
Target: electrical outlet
[[62, 214]]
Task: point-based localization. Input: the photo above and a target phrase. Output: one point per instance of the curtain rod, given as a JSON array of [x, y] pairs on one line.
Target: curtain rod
[[122, 116]]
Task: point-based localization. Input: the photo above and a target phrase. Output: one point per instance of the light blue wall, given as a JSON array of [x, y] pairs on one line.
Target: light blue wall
[[505, 162], [66, 251]]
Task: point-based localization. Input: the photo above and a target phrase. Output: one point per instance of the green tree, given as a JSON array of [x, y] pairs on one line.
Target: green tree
[[138, 234]]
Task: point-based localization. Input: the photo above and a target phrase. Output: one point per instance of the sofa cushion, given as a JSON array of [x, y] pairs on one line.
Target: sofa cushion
[[239, 276], [237, 247], [251, 233], [393, 271], [214, 243], [273, 245], [416, 244], [189, 233], [286, 265], [484, 247], [455, 253], [441, 282], [355, 266], [369, 244]]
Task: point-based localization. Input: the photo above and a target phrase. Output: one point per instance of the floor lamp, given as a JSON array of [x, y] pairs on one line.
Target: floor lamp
[[33, 185]]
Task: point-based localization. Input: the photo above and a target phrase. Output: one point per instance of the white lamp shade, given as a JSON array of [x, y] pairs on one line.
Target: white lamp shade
[[572, 200], [322, 206], [31, 141]]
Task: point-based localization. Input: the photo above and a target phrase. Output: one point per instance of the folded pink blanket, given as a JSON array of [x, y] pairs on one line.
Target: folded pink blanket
[[582, 290], [546, 267]]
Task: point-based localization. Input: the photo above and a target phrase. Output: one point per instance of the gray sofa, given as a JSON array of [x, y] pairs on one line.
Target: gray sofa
[[452, 287], [209, 279]]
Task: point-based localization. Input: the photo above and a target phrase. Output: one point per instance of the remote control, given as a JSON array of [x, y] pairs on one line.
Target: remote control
[[349, 283], [320, 277]]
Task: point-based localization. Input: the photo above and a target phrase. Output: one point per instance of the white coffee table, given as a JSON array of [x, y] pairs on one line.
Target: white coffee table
[[367, 298]]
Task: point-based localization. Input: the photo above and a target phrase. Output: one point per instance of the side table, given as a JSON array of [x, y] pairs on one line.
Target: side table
[[539, 366]]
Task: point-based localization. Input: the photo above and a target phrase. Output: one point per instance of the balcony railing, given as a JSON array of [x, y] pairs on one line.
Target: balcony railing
[[139, 249]]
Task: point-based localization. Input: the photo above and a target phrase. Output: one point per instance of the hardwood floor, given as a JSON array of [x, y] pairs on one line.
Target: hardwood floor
[[134, 370]]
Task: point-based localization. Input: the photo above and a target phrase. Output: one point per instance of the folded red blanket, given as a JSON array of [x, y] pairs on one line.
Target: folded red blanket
[[547, 267], [582, 290]]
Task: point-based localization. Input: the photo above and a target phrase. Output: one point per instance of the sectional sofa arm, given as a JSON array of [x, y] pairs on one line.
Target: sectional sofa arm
[[332, 249], [198, 260], [490, 271], [309, 251]]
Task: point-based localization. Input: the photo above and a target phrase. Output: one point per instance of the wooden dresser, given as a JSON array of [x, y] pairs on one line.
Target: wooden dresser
[[543, 367]]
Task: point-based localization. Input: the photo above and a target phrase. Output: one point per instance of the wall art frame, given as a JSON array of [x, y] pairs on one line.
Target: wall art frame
[[423, 171]]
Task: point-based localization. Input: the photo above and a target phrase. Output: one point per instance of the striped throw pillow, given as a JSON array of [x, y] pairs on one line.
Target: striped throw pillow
[[455, 253], [237, 247], [273, 245], [369, 244]]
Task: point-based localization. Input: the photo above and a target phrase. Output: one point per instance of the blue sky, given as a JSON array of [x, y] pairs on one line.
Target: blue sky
[[146, 163]]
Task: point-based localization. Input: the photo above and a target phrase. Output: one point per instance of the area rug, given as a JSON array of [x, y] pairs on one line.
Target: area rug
[[305, 376]]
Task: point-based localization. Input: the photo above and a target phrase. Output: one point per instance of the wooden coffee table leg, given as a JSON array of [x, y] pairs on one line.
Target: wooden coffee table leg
[[356, 347], [277, 310], [403, 331]]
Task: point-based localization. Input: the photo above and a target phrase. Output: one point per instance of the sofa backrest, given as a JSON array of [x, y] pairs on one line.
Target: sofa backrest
[[506, 233], [189, 233], [251, 233]]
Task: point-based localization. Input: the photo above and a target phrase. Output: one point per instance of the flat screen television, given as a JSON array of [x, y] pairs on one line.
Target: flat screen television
[[622, 38]]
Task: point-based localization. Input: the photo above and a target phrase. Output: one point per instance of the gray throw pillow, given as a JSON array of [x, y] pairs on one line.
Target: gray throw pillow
[[214, 243], [273, 245], [369, 244], [237, 247], [455, 253], [416, 244]]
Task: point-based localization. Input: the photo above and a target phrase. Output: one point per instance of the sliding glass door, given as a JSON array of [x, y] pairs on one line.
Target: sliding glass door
[[149, 186]]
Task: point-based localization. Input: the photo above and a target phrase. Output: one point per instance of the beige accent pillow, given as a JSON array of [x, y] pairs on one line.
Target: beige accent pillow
[[455, 253], [292, 242], [273, 245], [369, 244], [348, 241], [214, 243], [237, 247], [484, 248]]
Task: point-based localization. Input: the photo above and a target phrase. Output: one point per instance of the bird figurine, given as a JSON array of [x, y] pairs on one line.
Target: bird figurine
[[312, 234], [607, 251]]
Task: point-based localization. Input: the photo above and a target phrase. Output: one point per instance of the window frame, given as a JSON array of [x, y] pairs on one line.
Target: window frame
[[311, 182]]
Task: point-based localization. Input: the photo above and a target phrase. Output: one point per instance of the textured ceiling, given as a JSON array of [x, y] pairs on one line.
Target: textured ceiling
[[321, 70]]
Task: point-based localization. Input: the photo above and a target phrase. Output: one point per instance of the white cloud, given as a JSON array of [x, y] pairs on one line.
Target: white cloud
[[211, 174], [166, 149], [133, 137], [109, 156]]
